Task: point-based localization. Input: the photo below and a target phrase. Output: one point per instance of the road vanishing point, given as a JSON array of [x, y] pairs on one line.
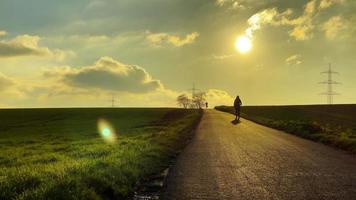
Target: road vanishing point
[[250, 161]]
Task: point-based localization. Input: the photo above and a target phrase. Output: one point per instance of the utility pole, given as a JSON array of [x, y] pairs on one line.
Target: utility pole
[[330, 93]]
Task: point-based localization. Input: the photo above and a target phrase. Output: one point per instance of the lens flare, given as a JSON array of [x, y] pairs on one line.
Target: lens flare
[[107, 131]]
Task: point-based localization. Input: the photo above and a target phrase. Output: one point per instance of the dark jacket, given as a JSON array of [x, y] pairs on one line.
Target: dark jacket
[[237, 103]]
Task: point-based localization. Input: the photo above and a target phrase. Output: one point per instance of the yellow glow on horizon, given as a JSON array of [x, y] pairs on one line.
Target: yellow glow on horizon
[[243, 44], [107, 131]]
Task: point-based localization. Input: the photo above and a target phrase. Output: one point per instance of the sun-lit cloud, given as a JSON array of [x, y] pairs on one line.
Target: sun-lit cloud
[[256, 21], [303, 32], [86, 86], [28, 45], [23, 45], [233, 4], [310, 7], [328, 3], [217, 97], [302, 26], [108, 74], [294, 60], [3, 33], [5, 82], [333, 27], [223, 57], [160, 39], [12, 90]]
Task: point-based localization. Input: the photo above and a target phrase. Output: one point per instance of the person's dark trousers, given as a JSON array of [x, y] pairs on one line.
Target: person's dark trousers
[[237, 113]]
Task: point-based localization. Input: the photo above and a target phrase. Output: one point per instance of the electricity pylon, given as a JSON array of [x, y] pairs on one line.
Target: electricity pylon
[[330, 93], [194, 91], [113, 100]]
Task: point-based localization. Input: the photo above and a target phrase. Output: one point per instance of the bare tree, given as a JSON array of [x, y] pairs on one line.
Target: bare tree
[[183, 100], [199, 100]]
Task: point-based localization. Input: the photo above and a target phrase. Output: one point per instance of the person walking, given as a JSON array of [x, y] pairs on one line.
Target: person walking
[[206, 105], [237, 106]]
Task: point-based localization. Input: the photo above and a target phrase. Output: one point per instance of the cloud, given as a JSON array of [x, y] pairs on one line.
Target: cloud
[[302, 26], [328, 3], [108, 74], [28, 45], [5, 82], [93, 86], [217, 97], [302, 32], [3, 33], [234, 4], [257, 20], [294, 60], [310, 7], [11, 90], [333, 27], [158, 39], [223, 57]]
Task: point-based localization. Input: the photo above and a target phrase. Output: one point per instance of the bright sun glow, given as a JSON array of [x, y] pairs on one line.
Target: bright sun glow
[[243, 44], [106, 131]]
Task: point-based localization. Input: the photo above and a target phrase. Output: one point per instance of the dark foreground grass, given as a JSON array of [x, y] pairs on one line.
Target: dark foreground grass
[[334, 125], [59, 154]]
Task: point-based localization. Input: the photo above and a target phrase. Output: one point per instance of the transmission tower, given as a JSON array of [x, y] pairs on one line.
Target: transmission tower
[[113, 100], [194, 91], [330, 93]]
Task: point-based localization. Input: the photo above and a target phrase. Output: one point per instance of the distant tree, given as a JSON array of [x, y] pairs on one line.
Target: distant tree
[[199, 100], [183, 101], [192, 105]]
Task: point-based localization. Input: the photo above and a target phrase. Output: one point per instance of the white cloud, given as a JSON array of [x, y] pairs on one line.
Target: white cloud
[[302, 26], [5, 82], [333, 27], [158, 39], [28, 45], [3, 33], [223, 57], [11, 90], [93, 86], [257, 20], [86, 86], [233, 4], [294, 60], [328, 3], [108, 74], [217, 97]]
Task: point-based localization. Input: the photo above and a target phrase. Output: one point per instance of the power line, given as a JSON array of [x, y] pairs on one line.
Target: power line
[[330, 93]]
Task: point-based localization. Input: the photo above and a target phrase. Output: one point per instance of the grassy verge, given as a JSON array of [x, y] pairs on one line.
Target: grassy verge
[[333, 126], [58, 153]]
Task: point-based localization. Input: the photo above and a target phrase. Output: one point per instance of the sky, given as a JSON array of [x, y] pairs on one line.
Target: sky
[[146, 53]]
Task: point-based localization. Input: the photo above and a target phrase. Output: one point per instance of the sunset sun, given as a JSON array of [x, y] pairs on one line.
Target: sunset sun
[[243, 44]]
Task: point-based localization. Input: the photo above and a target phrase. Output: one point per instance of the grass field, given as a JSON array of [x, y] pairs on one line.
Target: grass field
[[59, 153], [333, 125]]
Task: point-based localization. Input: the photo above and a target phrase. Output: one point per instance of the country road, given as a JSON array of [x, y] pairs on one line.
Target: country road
[[250, 161]]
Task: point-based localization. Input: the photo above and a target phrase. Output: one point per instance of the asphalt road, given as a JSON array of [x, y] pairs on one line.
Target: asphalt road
[[250, 161]]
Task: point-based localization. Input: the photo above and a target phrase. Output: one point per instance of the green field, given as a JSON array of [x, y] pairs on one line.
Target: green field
[[59, 153], [333, 125]]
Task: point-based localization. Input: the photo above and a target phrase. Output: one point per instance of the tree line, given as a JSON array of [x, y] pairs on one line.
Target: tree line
[[196, 102]]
